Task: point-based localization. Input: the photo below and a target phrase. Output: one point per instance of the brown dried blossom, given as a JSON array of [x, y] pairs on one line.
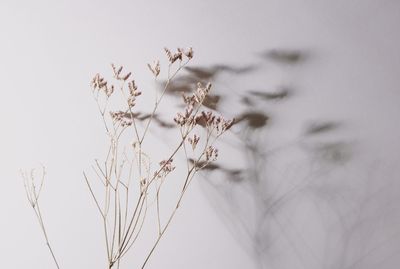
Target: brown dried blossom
[[180, 119], [211, 154], [131, 101], [173, 57], [133, 93], [166, 167], [214, 123], [109, 90], [201, 92], [189, 100], [133, 90], [117, 73], [100, 84], [222, 125], [207, 118], [170, 55], [126, 76], [198, 96], [189, 53], [186, 117], [193, 141], [155, 68]]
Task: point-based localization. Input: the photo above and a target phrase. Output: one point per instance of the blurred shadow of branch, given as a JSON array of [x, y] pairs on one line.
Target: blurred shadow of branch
[[286, 56], [252, 180], [144, 116], [184, 83]]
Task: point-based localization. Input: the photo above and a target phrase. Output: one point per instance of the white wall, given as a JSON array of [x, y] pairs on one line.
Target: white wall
[[328, 200]]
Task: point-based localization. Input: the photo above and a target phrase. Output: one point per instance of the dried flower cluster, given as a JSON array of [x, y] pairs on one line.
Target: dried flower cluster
[[214, 123], [133, 93], [100, 84], [211, 153], [127, 170], [173, 57], [193, 141], [192, 102], [166, 168], [155, 68], [118, 71]]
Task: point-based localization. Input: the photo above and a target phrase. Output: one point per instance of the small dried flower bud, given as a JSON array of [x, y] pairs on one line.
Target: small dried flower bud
[[94, 82], [117, 72], [189, 53], [126, 122], [155, 68], [189, 100], [201, 92], [180, 119], [173, 57], [169, 55], [132, 87], [125, 78], [109, 90], [99, 83], [135, 145], [208, 117], [217, 123], [143, 184], [208, 87], [131, 101], [221, 125], [179, 54], [211, 153], [133, 92], [102, 84], [193, 141], [117, 116], [166, 167], [228, 124]]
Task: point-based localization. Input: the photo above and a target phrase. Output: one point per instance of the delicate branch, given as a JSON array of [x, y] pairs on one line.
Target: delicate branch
[[33, 198]]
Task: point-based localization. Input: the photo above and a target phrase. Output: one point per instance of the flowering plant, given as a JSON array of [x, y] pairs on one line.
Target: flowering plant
[[126, 176]]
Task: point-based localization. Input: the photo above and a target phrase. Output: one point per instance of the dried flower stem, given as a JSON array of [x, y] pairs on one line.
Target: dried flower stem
[[33, 197]]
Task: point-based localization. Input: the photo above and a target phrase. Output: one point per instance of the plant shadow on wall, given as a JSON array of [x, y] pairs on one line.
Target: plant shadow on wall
[[273, 192]]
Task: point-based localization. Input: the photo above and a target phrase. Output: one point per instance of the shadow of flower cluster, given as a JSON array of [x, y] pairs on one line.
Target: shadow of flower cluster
[[250, 197]]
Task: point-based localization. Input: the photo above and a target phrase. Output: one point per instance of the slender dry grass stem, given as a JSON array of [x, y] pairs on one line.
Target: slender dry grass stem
[[33, 195]]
